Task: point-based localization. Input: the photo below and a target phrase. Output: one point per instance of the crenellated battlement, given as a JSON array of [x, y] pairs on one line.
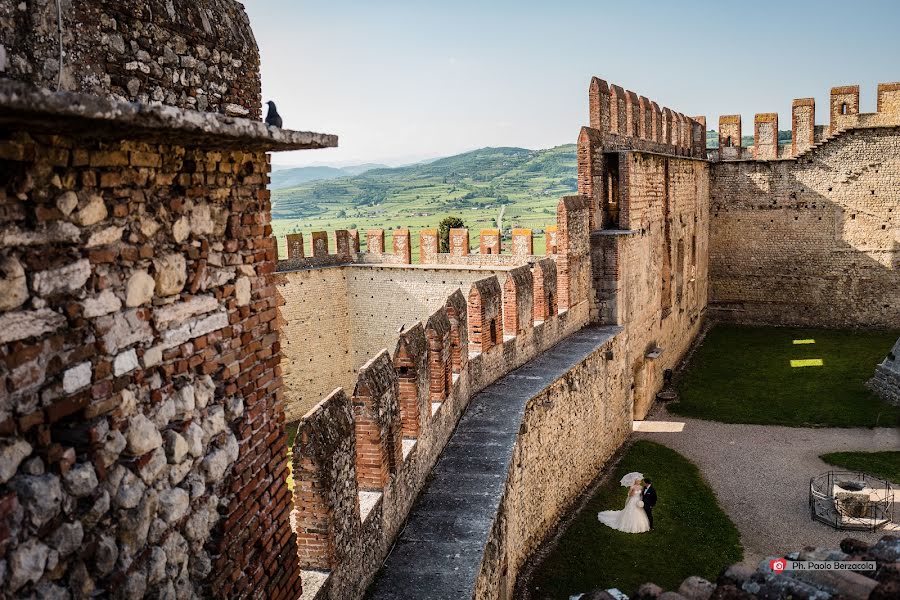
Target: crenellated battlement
[[633, 121], [843, 111], [359, 461], [343, 247]]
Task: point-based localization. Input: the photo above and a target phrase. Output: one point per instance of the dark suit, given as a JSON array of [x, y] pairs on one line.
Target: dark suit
[[648, 497]]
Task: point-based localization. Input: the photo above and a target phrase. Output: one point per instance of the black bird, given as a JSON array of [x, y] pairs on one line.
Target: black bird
[[272, 117]]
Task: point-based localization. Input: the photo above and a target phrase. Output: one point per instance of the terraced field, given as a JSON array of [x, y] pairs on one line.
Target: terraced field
[[475, 186]]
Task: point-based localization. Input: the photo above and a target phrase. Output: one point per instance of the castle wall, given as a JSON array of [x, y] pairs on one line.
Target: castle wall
[[661, 278], [185, 53], [810, 241], [381, 300], [648, 247], [142, 435], [317, 334], [557, 453], [336, 318], [345, 525]]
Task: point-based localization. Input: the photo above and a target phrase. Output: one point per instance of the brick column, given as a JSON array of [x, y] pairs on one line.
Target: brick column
[[320, 243], [410, 361], [803, 124], [844, 107], [459, 333], [485, 315], [730, 137], [295, 245], [632, 114], [342, 242], [375, 241], [402, 247], [489, 241], [765, 136], [440, 371], [518, 301], [598, 102], [544, 289], [428, 246], [459, 242], [522, 242], [325, 494], [354, 241], [644, 125], [550, 235], [376, 411]]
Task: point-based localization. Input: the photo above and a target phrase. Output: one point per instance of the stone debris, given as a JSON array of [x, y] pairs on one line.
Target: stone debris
[[740, 582]]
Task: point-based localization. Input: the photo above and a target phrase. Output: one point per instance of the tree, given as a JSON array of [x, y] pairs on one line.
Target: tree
[[444, 228]]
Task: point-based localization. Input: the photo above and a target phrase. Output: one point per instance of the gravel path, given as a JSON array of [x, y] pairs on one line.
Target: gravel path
[[761, 473]]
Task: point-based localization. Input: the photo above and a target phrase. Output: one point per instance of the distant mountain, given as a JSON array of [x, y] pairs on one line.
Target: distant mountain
[[474, 180], [288, 177], [360, 169]]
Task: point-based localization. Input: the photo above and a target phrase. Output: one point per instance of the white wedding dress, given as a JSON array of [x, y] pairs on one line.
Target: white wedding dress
[[631, 519]]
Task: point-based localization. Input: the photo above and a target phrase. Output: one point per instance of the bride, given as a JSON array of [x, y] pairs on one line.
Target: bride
[[632, 518]]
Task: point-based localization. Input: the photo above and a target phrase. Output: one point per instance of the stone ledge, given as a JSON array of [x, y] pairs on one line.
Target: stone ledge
[[24, 107]]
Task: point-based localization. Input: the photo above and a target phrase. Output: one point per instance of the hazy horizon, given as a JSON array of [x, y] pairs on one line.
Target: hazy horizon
[[400, 82]]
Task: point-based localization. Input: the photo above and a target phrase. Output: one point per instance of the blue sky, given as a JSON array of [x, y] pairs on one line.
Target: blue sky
[[401, 81]]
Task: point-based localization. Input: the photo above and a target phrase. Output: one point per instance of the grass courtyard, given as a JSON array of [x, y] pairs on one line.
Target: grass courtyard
[[692, 535], [796, 377], [885, 465]]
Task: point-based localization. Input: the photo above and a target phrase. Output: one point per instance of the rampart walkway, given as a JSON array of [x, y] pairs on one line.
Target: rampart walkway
[[439, 551]]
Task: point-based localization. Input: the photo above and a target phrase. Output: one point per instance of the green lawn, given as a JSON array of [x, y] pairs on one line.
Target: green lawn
[[745, 375], [878, 464], [691, 536]]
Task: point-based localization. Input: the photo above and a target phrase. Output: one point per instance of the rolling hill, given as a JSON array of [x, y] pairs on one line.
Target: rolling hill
[[472, 186], [289, 177]]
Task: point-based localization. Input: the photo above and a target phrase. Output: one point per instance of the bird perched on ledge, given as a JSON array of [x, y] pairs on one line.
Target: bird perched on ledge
[[272, 117]]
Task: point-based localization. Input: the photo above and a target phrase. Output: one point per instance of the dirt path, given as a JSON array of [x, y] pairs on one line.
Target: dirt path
[[761, 475]]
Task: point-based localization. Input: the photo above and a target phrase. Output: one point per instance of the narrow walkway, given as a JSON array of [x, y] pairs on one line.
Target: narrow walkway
[[439, 551], [761, 474]]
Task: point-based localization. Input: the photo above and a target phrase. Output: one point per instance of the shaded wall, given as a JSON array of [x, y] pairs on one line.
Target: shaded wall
[[810, 241]]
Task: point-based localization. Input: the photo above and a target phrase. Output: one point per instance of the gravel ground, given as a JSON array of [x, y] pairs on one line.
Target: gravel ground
[[761, 475]]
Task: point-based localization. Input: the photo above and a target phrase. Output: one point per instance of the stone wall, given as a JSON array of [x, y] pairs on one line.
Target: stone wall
[[142, 441], [812, 240], [557, 453], [187, 53], [317, 334], [886, 382], [653, 278], [346, 519], [336, 318]]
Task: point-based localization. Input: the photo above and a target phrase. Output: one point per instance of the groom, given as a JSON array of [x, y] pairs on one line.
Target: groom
[[648, 497]]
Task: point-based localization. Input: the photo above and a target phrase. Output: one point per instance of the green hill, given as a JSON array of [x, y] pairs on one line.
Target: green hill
[[473, 186], [712, 138]]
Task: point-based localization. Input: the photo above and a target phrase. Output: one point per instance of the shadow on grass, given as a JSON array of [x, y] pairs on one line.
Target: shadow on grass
[[692, 535], [745, 375]]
